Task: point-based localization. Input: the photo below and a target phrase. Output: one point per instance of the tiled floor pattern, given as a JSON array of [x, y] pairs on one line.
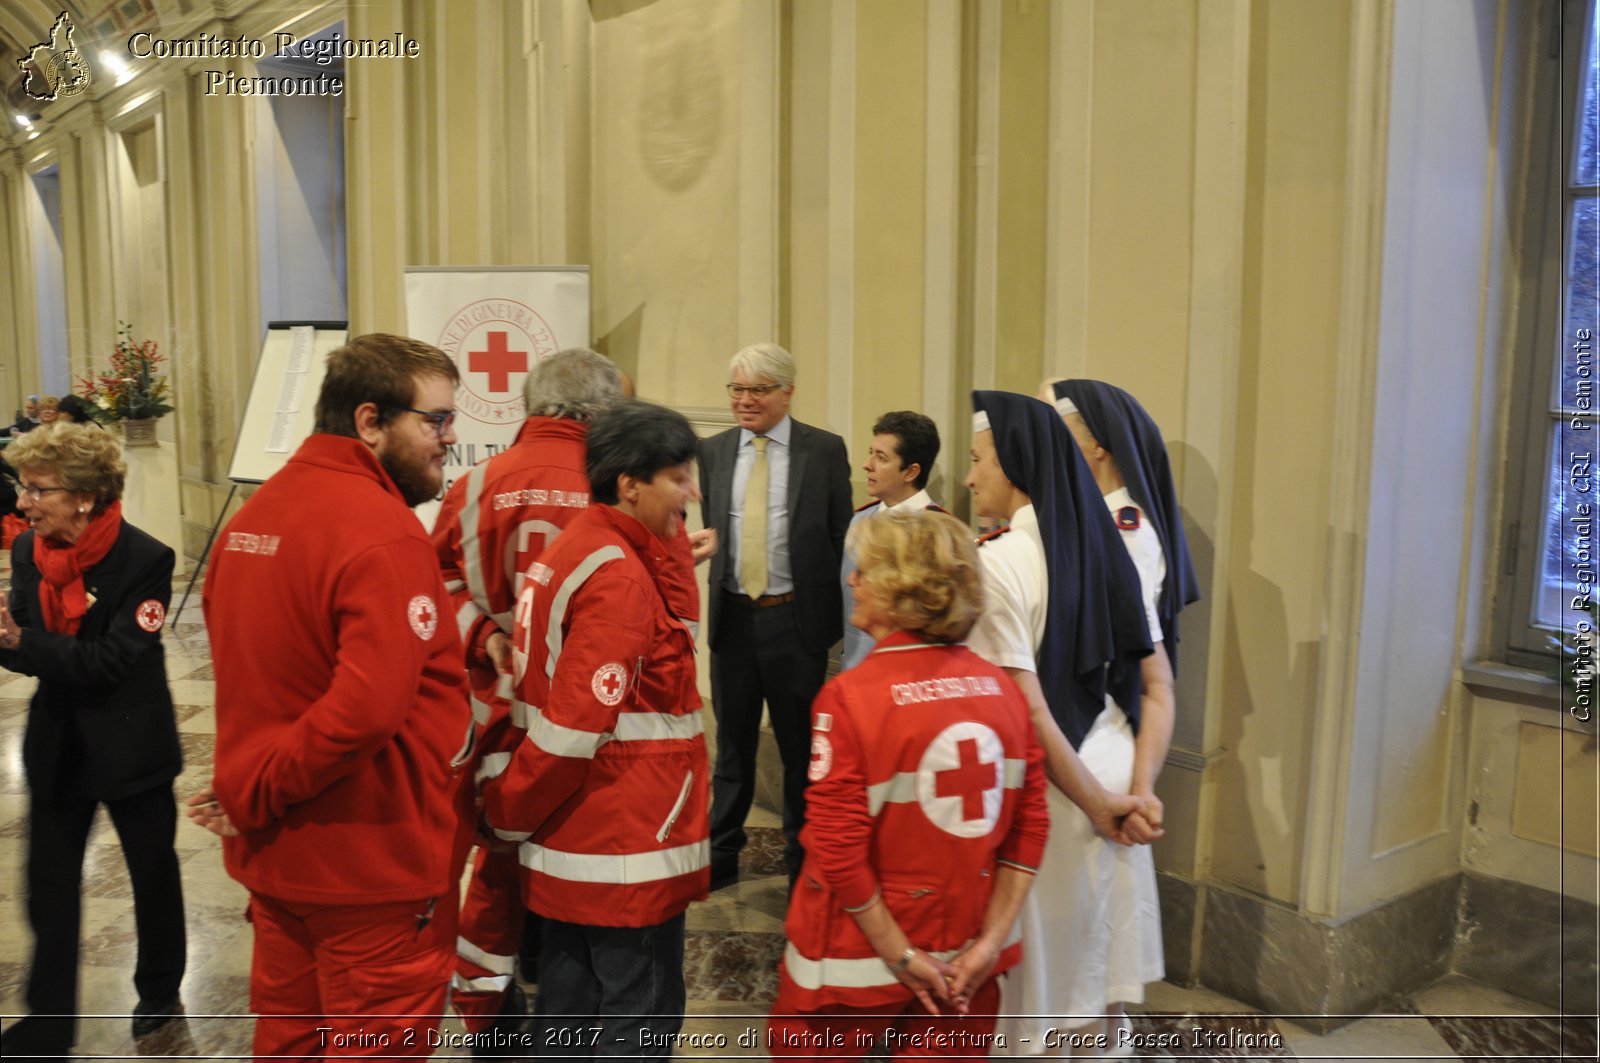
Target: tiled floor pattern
[[735, 939]]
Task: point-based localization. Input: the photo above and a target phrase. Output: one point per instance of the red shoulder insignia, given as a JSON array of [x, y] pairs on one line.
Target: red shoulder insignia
[[991, 536], [869, 505], [1128, 518], [937, 508]]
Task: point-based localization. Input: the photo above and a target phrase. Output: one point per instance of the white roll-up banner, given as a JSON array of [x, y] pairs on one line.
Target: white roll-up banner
[[497, 323]]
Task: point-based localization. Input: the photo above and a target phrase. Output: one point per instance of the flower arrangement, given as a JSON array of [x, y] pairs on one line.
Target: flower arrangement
[[134, 389]]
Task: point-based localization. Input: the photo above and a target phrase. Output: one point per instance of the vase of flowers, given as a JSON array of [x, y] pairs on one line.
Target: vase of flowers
[[133, 392], [139, 433]]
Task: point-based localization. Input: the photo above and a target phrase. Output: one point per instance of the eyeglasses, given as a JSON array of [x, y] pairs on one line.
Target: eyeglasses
[[441, 421], [760, 391], [35, 493]]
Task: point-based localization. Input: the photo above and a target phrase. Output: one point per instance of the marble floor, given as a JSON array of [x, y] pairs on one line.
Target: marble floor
[[733, 945]]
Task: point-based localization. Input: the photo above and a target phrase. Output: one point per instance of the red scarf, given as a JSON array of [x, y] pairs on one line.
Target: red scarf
[[62, 599]]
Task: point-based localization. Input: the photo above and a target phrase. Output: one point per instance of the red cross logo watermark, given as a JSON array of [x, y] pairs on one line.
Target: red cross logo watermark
[[498, 362], [610, 682], [961, 779], [423, 616]]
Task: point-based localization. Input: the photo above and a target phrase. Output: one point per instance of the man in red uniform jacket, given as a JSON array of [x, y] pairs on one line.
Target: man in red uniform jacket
[[607, 790], [342, 718], [494, 522]]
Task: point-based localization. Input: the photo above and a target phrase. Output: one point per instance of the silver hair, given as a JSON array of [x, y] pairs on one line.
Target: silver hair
[[764, 360], [575, 383]]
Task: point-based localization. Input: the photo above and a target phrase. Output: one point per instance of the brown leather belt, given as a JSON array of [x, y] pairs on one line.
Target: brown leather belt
[[763, 602]]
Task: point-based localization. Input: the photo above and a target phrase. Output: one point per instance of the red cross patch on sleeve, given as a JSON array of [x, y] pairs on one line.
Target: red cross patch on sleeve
[[150, 615], [821, 758], [609, 683], [423, 616]]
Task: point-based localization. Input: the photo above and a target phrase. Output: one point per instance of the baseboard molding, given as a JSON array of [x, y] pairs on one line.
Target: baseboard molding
[[1527, 941], [1532, 942], [1288, 963]]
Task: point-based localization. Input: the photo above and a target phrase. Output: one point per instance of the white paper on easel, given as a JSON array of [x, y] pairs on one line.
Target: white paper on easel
[[292, 393], [279, 413], [301, 340]]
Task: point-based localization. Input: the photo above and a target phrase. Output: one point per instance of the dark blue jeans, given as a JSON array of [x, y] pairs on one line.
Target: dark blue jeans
[[610, 990]]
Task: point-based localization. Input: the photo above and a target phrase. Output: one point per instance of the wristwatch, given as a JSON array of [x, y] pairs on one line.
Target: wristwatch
[[905, 960]]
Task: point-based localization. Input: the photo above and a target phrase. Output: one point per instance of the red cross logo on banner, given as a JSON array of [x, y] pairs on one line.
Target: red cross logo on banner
[[969, 781], [961, 779], [494, 342], [498, 362]]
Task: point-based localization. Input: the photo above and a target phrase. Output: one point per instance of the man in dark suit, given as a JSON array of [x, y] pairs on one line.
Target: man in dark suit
[[773, 590]]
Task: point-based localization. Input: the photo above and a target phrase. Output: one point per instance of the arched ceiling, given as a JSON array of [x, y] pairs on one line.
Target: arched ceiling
[[96, 24], [24, 23]]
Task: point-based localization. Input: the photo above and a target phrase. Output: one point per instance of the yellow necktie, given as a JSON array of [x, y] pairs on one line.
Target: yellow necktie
[[753, 529]]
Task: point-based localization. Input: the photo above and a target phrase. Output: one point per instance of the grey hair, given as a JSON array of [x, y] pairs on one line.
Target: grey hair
[[575, 383], [764, 360]]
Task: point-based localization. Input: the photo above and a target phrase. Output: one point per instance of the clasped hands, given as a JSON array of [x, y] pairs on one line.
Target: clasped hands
[[950, 982], [1130, 819]]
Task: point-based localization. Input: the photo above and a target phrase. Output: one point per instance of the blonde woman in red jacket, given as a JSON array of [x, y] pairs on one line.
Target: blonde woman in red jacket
[[925, 817]]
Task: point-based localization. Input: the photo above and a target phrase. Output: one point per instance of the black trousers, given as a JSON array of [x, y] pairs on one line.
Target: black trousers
[[58, 831], [759, 658], [610, 990]]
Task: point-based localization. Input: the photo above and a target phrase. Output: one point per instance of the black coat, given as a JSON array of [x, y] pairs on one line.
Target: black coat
[[819, 516], [101, 724]]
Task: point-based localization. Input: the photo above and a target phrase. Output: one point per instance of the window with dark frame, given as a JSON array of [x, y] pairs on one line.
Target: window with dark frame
[[1553, 555]]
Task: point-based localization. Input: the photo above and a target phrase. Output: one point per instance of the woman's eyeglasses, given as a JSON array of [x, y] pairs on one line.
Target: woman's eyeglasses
[[35, 493]]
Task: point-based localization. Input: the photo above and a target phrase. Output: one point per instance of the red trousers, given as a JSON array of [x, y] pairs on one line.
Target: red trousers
[[490, 937], [849, 1033], [349, 980]]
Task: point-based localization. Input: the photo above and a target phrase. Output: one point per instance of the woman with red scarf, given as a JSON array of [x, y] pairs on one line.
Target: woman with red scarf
[[88, 601]]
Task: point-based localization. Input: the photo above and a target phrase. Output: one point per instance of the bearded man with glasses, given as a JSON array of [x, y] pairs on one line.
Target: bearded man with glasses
[[343, 728]]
